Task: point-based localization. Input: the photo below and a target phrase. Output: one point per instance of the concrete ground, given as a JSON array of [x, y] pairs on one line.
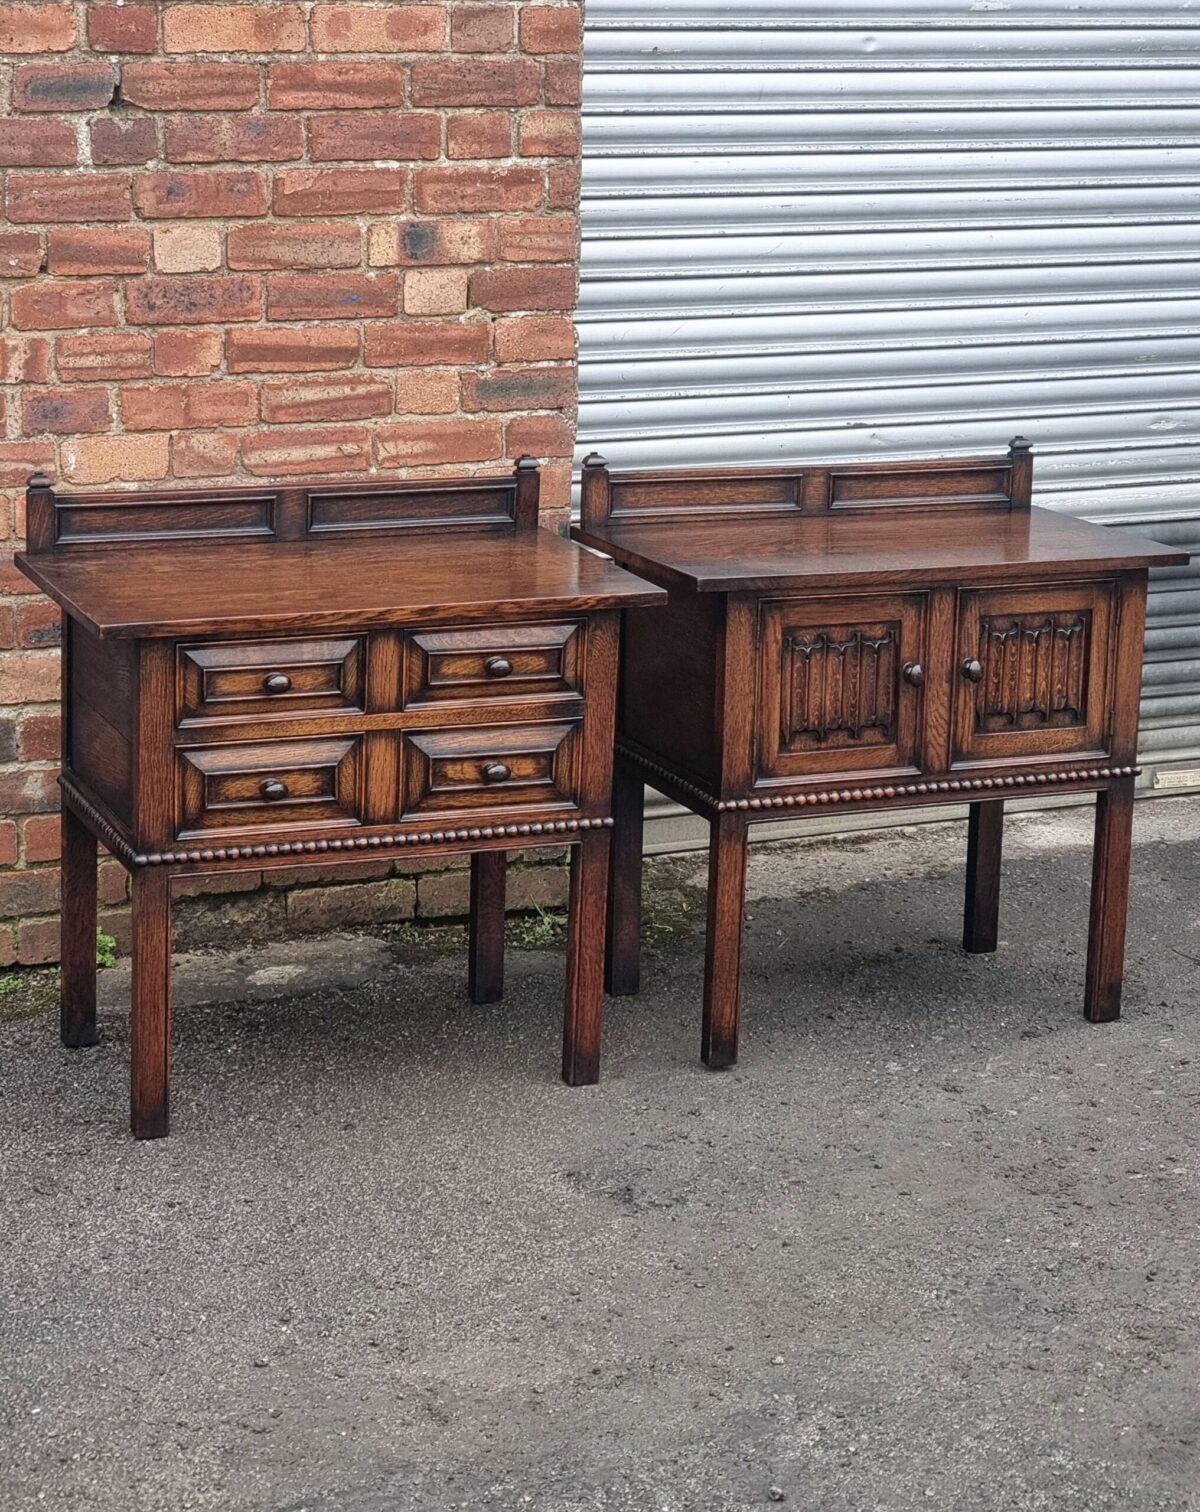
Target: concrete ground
[[934, 1243]]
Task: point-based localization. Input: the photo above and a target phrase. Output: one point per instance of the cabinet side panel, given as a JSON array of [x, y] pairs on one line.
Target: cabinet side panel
[[668, 683], [99, 747]]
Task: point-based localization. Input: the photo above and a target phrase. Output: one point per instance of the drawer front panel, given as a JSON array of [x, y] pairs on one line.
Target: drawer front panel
[[1033, 676], [500, 767], [840, 684], [501, 661], [271, 785], [233, 680]]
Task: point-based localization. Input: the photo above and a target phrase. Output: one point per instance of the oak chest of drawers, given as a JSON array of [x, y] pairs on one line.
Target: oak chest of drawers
[[841, 638], [259, 677]]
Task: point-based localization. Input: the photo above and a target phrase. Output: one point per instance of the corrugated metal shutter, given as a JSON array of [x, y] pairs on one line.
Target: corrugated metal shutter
[[912, 227]]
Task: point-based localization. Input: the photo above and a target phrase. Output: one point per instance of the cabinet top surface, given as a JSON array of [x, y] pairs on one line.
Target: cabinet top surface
[[157, 590], [893, 546]]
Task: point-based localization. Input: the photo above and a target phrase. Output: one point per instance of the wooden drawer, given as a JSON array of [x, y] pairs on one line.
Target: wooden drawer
[[271, 785], [492, 662], [224, 681], [502, 767], [1032, 674], [840, 684]]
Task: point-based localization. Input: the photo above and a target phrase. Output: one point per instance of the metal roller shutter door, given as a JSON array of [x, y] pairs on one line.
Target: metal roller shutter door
[[908, 228]]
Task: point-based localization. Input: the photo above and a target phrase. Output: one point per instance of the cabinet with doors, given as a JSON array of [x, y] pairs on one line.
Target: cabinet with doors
[[847, 638]]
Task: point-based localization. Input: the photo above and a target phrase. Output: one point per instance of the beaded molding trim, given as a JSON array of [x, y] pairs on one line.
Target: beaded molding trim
[[877, 794], [125, 852]]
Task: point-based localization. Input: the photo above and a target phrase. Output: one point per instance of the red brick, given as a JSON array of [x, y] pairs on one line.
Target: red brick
[[20, 254], [542, 288], [36, 28], [190, 86], [206, 195], [204, 454], [8, 639], [428, 443], [65, 412], [29, 791], [314, 296], [549, 133], [431, 243], [113, 882], [39, 624], [427, 391], [374, 137], [116, 459], [479, 134], [67, 197], [31, 891], [388, 28], [88, 359], [40, 735], [95, 251], [186, 354], [470, 81], [535, 338], [539, 238], [305, 400], [62, 306], [233, 28], [28, 677], [56, 87], [300, 245], [37, 941], [539, 436], [124, 141], [340, 191], [188, 246], [482, 28], [284, 351], [333, 449], [562, 84], [334, 86], [429, 343], [17, 460], [562, 186], [37, 144], [26, 360], [551, 29], [187, 406], [234, 139], [511, 389], [43, 837], [452, 191], [8, 841], [186, 300], [122, 28]]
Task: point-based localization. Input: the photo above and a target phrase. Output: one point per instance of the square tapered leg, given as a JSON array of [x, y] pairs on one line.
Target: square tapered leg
[[585, 960], [78, 934], [151, 1003]]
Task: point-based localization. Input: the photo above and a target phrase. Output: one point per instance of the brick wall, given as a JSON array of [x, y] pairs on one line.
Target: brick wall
[[258, 241]]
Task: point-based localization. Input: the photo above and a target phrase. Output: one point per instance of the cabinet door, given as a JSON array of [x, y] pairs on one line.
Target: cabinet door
[[1032, 678], [840, 682]]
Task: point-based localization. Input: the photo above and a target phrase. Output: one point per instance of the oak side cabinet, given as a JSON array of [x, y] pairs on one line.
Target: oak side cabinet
[[876, 636], [256, 677]]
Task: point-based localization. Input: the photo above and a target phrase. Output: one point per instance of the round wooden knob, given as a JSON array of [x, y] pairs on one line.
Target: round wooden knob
[[272, 789], [972, 669], [914, 673], [496, 771], [277, 682], [498, 666]]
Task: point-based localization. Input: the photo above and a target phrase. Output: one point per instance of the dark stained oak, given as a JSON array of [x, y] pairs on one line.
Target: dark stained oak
[[485, 946], [78, 949], [869, 637], [622, 962], [981, 912], [334, 672]]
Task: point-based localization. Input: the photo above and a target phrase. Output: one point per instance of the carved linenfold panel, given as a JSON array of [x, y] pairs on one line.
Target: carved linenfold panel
[[1035, 670], [840, 686]]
